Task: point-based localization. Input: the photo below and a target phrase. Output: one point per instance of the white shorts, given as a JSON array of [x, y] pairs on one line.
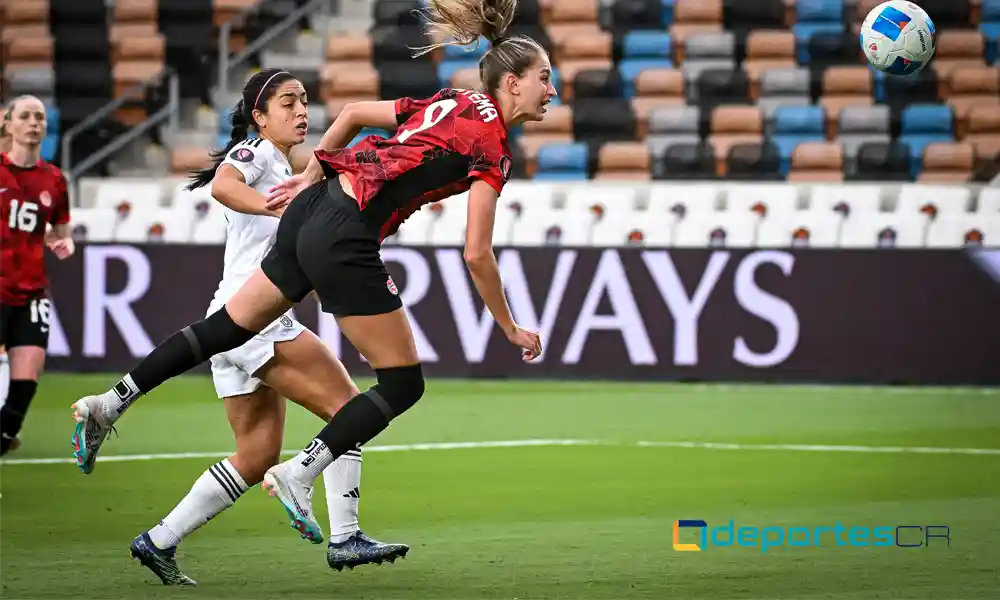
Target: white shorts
[[232, 372]]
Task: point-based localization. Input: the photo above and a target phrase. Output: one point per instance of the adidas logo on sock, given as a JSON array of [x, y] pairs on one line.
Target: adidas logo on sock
[[355, 493]]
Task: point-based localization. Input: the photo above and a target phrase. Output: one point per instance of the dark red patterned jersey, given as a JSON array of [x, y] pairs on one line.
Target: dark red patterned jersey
[[442, 145], [30, 199]]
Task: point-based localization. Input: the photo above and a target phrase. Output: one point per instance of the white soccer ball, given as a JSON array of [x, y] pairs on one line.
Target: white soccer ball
[[898, 37]]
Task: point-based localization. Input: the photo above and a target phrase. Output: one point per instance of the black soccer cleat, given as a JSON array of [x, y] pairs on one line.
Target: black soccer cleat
[[359, 549], [162, 563]]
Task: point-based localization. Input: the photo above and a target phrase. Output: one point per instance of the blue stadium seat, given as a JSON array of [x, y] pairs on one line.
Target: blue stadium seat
[[447, 69], [631, 67], [924, 124], [878, 84], [52, 117], [815, 16], [668, 12], [646, 44], [794, 125], [558, 162], [989, 25], [50, 147]]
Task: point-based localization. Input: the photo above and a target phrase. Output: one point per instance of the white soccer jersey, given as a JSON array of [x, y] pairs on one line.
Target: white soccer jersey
[[249, 237]]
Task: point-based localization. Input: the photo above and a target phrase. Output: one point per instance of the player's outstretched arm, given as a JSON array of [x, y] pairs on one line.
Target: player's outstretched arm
[[482, 264], [230, 189]]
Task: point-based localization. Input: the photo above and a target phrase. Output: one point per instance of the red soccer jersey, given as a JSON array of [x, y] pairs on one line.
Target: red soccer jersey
[[29, 200], [442, 145]]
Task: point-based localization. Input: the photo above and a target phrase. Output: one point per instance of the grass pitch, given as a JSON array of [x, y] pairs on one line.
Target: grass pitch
[[592, 518]]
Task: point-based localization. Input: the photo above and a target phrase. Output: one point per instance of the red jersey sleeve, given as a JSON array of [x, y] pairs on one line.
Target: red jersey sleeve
[[407, 107], [60, 210], [491, 156]]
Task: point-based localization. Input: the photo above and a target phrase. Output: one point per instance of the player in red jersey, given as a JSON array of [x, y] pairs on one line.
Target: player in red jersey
[[329, 239], [32, 197]]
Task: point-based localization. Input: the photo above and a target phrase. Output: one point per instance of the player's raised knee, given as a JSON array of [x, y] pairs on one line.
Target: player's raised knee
[[398, 389]]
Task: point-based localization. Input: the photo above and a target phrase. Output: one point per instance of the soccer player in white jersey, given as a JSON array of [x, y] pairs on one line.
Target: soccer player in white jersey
[[285, 360]]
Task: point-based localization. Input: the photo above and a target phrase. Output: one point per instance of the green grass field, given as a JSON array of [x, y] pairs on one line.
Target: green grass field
[[585, 521]]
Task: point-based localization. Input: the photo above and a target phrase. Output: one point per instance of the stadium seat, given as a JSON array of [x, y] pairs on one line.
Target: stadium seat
[[754, 162], [561, 162], [604, 120], [781, 87], [878, 161], [958, 48], [817, 161], [859, 125], [983, 130], [730, 125], [899, 92], [655, 89], [766, 50], [693, 161], [946, 162], [972, 87], [814, 17], [794, 125], [635, 16], [598, 83], [832, 47], [843, 87], [722, 86], [739, 16], [624, 161], [922, 124], [692, 17], [556, 127]]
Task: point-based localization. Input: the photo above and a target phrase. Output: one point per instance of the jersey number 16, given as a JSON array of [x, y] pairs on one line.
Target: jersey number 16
[[433, 115], [23, 216]]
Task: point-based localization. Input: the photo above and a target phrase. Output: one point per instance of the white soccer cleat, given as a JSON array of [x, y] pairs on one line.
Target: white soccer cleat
[[90, 432], [296, 497]]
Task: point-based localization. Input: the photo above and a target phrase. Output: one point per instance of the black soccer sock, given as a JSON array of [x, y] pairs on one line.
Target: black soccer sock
[[369, 413], [181, 352], [19, 396]]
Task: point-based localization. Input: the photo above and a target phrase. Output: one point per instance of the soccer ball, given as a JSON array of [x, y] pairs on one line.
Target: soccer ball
[[898, 37]]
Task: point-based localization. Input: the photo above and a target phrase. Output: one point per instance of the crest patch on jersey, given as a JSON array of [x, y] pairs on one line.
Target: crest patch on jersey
[[45, 198], [242, 155], [505, 166]]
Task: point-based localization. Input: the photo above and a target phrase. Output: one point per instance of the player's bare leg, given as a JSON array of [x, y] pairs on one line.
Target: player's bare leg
[[305, 370], [26, 364], [251, 309], [387, 342]]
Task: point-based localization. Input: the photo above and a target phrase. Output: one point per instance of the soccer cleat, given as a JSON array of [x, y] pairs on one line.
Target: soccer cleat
[[162, 563], [359, 549], [296, 497], [90, 433]]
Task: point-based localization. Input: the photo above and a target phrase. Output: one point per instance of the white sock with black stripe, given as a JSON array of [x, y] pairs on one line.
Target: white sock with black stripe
[[217, 489], [342, 482]]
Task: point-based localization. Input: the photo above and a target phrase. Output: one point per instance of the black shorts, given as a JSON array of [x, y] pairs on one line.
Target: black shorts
[[26, 325], [324, 243]]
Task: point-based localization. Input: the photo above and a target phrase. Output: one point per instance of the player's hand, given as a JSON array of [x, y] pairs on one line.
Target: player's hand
[[63, 248], [280, 195], [529, 342]]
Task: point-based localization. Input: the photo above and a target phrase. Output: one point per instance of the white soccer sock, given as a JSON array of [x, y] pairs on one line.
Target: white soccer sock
[[342, 481], [215, 491], [308, 464], [118, 398]]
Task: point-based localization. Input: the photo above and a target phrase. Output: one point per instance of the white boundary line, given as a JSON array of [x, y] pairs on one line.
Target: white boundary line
[[549, 443]]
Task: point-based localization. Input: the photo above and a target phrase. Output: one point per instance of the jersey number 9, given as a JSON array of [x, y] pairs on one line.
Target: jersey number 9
[[433, 115]]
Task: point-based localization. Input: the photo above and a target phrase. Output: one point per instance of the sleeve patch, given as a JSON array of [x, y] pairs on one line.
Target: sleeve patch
[[242, 154]]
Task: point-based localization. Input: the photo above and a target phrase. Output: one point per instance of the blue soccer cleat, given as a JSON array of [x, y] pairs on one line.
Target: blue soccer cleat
[[359, 549], [162, 563]]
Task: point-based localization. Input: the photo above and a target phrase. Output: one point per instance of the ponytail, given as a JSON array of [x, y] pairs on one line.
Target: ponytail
[[240, 129]]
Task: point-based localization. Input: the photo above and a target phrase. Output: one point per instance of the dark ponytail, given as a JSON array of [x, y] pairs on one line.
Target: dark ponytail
[[256, 93]]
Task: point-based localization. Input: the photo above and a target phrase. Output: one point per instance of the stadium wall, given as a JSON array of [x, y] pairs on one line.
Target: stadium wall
[[785, 315]]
